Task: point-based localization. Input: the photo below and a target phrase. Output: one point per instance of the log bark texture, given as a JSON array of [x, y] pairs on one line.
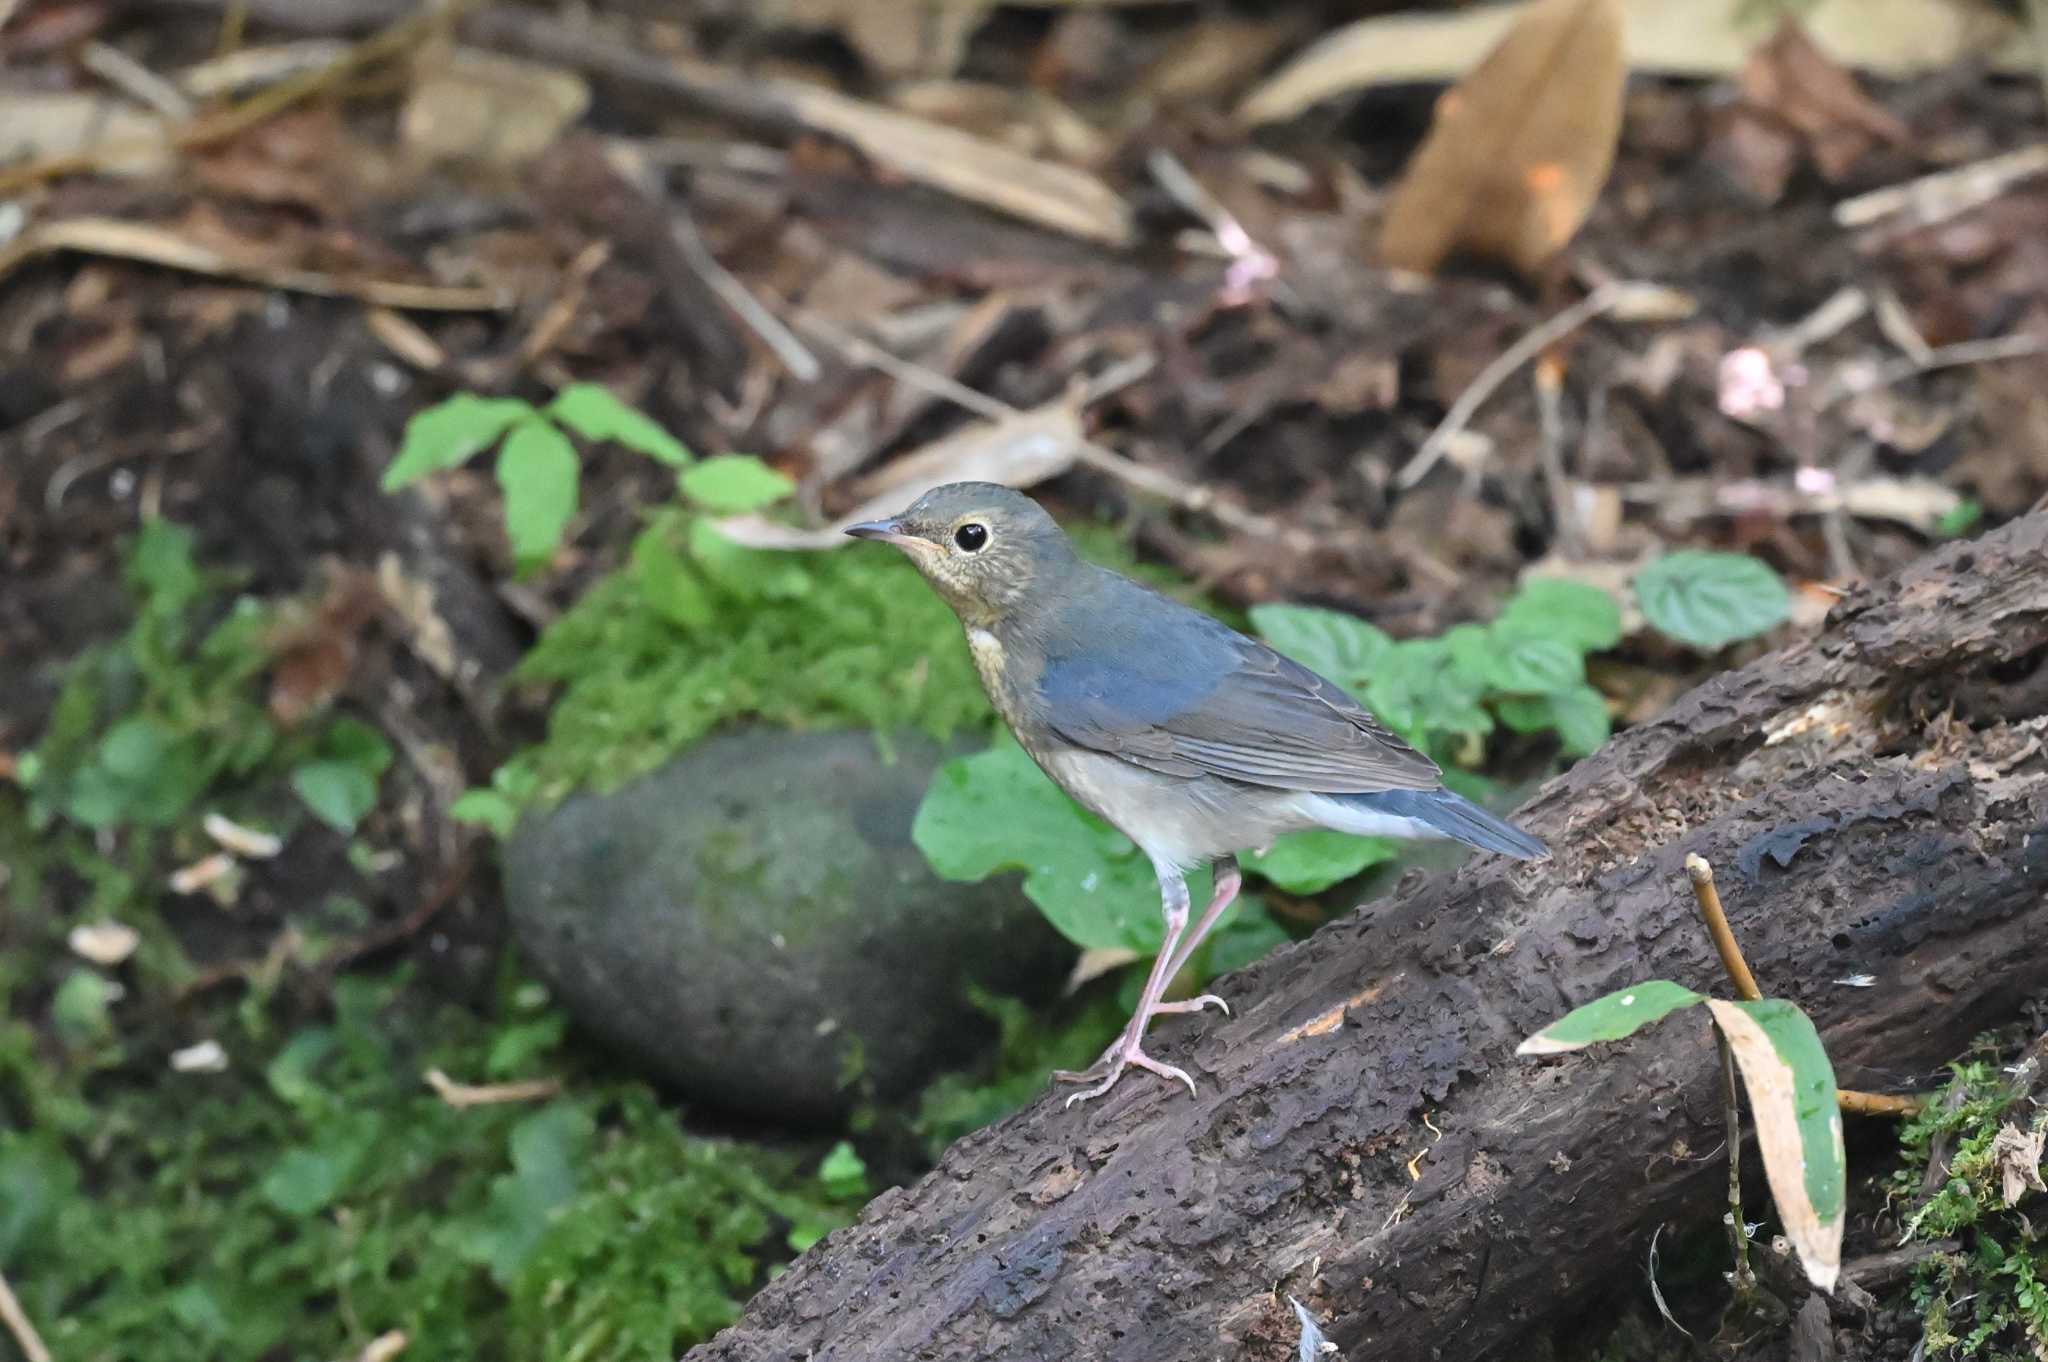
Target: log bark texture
[[1875, 801]]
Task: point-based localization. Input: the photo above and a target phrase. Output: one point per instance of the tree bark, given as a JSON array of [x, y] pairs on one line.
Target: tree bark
[[1875, 800]]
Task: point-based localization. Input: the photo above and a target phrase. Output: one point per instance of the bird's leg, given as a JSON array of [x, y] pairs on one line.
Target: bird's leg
[[1228, 880], [1126, 1050]]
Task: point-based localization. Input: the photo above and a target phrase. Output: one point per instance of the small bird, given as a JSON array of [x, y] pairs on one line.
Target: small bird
[[1189, 738]]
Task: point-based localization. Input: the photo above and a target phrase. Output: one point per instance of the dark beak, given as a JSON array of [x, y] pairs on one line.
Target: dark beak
[[888, 531]]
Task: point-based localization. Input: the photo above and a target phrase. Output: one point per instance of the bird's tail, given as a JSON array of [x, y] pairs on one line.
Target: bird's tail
[[1429, 813]]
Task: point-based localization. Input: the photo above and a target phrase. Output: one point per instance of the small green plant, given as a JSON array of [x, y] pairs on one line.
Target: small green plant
[[538, 470], [1791, 1088], [172, 712], [1981, 1137], [1784, 1067]]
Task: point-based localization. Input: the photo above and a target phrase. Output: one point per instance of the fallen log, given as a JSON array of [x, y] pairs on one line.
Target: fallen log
[[1365, 1139]]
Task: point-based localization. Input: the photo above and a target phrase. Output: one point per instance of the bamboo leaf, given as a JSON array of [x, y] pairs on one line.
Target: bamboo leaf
[[1620, 1013], [1791, 1088]]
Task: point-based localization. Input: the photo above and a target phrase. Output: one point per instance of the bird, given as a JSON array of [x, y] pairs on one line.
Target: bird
[[1191, 739]]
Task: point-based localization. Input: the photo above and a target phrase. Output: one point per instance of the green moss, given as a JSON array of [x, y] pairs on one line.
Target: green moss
[[319, 1194], [316, 1193], [1990, 1299]]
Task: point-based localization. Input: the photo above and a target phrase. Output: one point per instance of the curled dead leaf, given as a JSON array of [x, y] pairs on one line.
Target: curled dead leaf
[[2016, 1154], [1519, 149]]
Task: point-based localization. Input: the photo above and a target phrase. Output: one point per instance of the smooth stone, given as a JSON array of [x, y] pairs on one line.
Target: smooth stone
[[752, 924]]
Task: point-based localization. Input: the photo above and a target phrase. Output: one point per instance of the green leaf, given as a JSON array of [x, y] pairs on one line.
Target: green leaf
[[1523, 664], [750, 574], [1620, 1013], [537, 471], [1959, 519], [1709, 600], [451, 433], [37, 1179], [997, 811], [1421, 687], [358, 744], [1310, 862], [1248, 933], [81, 1007], [1580, 717], [547, 1149], [731, 483], [1571, 612], [843, 1172], [306, 1180], [162, 567], [593, 413], [1339, 646], [1791, 1087], [338, 792], [669, 585], [487, 808]]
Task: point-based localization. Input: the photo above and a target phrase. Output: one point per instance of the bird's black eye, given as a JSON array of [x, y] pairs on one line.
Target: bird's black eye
[[971, 536]]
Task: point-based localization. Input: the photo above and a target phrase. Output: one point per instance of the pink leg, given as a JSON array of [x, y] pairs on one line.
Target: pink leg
[[1126, 1050]]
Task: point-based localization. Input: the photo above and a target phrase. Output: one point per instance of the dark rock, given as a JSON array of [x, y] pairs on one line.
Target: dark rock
[[753, 925]]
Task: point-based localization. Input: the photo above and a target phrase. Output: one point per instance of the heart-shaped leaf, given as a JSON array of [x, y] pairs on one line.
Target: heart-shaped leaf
[[1709, 600]]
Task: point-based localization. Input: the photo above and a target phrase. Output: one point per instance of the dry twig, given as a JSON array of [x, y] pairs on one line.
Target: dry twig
[[1709, 899], [1640, 300], [148, 244], [18, 1324]]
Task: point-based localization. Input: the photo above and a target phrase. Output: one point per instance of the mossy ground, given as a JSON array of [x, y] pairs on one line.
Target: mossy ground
[[314, 1192]]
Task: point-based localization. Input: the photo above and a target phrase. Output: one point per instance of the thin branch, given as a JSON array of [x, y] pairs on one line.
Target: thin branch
[[1709, 899], [1185, 495], [780, 340], [18, 1324], [1744, 1280], [1946, 193], [1650, 300]]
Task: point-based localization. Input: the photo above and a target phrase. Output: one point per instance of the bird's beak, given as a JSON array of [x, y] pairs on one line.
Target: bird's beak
[[888, 531]]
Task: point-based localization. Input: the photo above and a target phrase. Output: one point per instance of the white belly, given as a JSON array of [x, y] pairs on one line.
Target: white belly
[[1179, 822]]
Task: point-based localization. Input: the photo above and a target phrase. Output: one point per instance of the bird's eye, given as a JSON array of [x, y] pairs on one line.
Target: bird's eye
[[971, 536]]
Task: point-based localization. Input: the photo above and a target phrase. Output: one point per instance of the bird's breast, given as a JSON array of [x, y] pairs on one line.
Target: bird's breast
[[989, 663]]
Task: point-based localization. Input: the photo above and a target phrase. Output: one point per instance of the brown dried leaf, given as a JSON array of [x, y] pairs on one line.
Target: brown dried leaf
[[1020, 450], [2016, 1154], [1793, 80], [1519, 148], [474, 106]]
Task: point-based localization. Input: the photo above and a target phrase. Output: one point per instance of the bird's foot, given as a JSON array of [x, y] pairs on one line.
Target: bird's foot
[[1123, 1054]]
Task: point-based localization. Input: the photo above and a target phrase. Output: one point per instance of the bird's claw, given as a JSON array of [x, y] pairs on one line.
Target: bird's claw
[[1104, 1072]]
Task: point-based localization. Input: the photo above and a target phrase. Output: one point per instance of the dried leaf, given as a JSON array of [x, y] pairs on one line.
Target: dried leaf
[[1794, 81], [897, 38], [1892, 38], [1791, 1088], [1519, 148], [476, 106], [2016, 1154], [1063, 198], [1018, 451]]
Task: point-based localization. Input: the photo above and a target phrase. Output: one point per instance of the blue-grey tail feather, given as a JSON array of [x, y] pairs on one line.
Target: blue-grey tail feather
[[1454, 816]]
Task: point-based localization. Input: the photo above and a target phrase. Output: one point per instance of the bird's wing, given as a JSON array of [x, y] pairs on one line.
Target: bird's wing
[[1182, 694]]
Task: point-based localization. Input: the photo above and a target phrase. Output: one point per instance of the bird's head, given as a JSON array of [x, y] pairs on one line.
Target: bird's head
[[982, 546]]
